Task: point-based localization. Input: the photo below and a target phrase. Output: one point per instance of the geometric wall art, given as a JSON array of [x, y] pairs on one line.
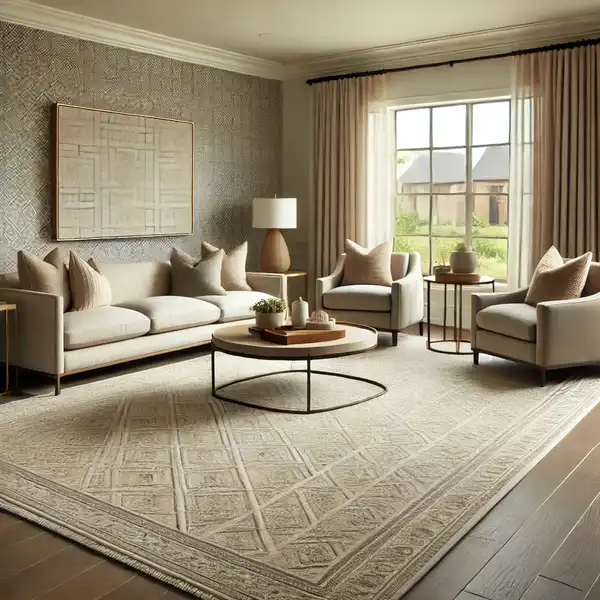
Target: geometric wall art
[[121, 175]]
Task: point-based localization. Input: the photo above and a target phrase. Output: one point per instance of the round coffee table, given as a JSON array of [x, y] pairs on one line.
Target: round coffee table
[[237, 341]]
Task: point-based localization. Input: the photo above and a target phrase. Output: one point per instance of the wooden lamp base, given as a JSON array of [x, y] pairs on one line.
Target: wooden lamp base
[[274, 255]]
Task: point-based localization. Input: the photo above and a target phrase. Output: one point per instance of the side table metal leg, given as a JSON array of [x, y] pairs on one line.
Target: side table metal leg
[[212, 368], [455, 323], [308, 386], [6, 358], [428, 315], [460, 314], [445, 310]]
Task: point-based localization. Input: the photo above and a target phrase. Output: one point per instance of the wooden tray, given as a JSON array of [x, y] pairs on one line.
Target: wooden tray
[[287, 335], [457, 277]]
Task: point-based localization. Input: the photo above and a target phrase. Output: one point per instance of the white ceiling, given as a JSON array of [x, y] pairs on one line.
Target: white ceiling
[[296, 31]]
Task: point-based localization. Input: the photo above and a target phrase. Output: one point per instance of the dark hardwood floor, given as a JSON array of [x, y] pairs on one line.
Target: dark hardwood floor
[[541, 542]]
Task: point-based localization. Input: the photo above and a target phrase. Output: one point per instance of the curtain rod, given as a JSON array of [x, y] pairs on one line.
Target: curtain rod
[[458, 61]]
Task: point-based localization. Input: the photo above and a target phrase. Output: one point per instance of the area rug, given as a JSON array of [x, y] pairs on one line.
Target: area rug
[[236, 503]]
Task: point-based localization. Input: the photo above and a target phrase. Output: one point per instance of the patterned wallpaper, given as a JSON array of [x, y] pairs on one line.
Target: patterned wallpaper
[[238, 138]]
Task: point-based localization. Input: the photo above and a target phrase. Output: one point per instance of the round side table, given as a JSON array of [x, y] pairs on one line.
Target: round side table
[[458, 307]]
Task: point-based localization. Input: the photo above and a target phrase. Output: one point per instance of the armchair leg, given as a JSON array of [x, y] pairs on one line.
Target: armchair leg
[[475, 357], [542, 377], [421, 328], [57, 386], [394, 338]]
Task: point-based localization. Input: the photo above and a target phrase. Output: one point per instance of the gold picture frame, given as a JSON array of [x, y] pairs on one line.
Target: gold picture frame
[[121, 175]]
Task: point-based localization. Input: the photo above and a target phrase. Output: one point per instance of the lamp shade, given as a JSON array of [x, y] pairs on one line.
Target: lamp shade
[[274, 213]]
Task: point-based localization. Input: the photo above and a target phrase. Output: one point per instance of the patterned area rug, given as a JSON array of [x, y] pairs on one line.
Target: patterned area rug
[[236, 503]]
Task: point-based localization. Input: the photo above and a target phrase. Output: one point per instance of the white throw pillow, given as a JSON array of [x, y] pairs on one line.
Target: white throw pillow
[[233, 271], [368, 267], [89, 288]]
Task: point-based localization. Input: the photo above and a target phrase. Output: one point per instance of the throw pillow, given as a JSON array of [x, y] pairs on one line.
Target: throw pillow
[[49, 275], [368, 267], [89, 288], [554, 279], [193, 278], [233, 272]]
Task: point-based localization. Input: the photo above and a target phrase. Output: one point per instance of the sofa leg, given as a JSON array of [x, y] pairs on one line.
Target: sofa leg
[[57, 386], [394, 338], [421, 328], [475, 357], [542, 377]]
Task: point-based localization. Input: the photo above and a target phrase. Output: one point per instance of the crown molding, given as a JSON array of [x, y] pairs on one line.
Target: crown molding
[[38, 16], [468, 45]]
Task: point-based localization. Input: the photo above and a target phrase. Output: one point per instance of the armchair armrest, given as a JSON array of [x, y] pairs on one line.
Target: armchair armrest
[[326, 284], [268, 283], [407, 295], [568, 332], [37, 342], [481, 301]]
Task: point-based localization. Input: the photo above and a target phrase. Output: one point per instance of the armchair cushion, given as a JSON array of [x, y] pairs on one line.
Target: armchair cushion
[[512, 320], [369, 298]]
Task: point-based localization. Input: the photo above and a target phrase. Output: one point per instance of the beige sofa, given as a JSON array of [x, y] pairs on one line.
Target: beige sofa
[[551, 335], [384, 308], [143, 320]]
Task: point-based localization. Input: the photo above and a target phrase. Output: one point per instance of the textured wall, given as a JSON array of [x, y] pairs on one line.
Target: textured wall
[[238, 138]]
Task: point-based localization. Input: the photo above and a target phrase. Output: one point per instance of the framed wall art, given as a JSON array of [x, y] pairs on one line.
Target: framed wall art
[[121, 175]]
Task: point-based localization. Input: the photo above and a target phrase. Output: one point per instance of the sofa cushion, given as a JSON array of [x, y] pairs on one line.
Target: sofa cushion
[[513, 320], [236, 305], [133, 281], [168, 313], [371, 298], [102, 325]]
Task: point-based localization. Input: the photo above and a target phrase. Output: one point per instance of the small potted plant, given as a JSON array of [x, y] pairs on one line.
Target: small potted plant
[[463, 259], [443, 268], [270, 313]]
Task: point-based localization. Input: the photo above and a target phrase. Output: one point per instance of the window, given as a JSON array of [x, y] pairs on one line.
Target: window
[[452, 174]]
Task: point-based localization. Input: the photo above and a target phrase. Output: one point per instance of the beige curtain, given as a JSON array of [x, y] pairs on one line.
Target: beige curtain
[[340, 139], [565, 89]]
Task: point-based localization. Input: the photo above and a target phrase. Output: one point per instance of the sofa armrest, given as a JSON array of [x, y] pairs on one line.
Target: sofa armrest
[[274, 284], [407, 295], [326, 284], [38, 341], [568, 332], [481, 301]]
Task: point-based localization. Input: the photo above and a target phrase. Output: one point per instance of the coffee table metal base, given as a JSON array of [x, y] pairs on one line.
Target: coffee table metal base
[[309, 372]]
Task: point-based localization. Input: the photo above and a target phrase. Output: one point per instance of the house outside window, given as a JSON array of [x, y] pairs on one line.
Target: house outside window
[[452, 182]]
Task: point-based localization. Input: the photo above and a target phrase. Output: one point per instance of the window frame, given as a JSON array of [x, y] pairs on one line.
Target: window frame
[[469, 194]]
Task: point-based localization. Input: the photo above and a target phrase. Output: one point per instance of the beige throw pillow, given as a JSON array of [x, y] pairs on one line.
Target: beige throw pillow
[[368, 267], [554, 279], [233, 271], [192, 278], [89, 288], [49, 275]]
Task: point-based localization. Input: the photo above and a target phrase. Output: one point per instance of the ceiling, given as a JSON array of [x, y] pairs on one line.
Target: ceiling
[[290, 32]]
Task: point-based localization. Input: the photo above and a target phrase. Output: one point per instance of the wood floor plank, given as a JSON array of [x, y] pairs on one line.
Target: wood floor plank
[[514, 568], [29, 552], [92, 584], [594, 593], [45, 575], [510, 514], [453, 573], [577, 562], [546, 589], [467, 596], [21, 532], [138, 588]]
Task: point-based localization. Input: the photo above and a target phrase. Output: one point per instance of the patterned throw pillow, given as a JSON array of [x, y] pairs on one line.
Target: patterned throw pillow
[[233, 271], [49, 275], [192, 278], [554, 279], [89, 289], [368, 267]]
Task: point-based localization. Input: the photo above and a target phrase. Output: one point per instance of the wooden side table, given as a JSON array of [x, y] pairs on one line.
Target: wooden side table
[[7, 309], [295, 284], [458, 308]]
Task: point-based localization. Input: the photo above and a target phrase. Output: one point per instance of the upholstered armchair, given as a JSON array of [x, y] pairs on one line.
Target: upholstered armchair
[[385, 308], [551, 335]]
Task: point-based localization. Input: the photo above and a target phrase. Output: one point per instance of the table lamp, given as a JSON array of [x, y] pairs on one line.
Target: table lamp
[[274, 214]]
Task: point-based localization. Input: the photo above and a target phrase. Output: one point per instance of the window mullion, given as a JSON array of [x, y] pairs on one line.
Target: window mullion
[[430, 190], [469, 201]]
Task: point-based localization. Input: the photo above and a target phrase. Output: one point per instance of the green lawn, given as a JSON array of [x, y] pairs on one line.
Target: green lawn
[[492, 253]]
